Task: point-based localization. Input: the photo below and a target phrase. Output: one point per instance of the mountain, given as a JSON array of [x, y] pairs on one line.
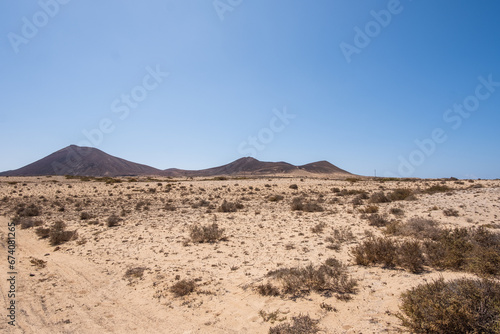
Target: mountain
[[322, 167], [88, 161], [83, 161], [243, 166]]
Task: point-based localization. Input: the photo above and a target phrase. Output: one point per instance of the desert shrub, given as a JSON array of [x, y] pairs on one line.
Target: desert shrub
[[294, 186], [85, 215], [397, 211], [298, 204], [370, 209], [331, 277], [318, 228], [377, 220], [208, 233], [450, 212], [31, 210], [438, 188], [137, 272], [421, 228], [268, 289], [29, 223], [400, 194], [183, 287], [113, 220], [459, 306], [275, 198], [410, 256], [229, 206], [301, 324], [376, 250], [169, 207], [58, 234], [42, 232], [339, 236], [379, 197]]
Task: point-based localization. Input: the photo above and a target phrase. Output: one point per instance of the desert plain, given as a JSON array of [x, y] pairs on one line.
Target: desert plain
[[129, 260]]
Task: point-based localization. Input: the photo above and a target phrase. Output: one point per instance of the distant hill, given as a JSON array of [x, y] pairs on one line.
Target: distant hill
[[83, 161], [87, 161]]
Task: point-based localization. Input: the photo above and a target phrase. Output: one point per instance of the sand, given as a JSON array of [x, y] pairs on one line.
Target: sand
[[83, 287]]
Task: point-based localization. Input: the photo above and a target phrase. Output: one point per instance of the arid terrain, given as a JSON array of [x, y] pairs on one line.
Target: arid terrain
[[166, 255]]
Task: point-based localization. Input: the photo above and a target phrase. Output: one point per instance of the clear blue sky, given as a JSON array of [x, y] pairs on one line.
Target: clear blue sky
[[363, 80]]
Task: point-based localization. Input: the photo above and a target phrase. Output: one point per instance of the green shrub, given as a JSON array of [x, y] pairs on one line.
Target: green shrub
[[459, 306]]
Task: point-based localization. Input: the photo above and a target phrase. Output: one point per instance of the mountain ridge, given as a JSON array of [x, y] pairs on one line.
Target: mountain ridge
[[88, 161]]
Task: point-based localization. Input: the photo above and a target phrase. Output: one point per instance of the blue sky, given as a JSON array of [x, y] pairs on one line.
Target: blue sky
[[366, 85]]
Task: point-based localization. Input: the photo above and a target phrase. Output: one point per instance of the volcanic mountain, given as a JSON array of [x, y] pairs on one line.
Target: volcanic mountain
[[82, 161], [87, 161]]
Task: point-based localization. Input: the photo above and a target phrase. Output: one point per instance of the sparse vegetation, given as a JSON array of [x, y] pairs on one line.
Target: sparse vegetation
[[230, 206], [113, 220], [330, 277], [301, 324], [59, 235], [459, 306], [183, 287], [298, 204], [208, 233]]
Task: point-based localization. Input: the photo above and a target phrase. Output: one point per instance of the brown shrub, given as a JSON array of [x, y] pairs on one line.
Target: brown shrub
[[58, 234], [230, 206], [183, 287], [302, 324], [379, 197], [459, 306], [208, 233]]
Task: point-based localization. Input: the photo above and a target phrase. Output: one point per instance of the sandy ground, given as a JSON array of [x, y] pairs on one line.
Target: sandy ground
[[83, 287]]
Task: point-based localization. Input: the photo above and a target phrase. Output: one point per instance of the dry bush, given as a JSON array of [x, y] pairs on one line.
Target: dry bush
[[230, 206], [379, 197], [169, 207], [410, 256], [377, 220], [301, 324], [318, 228], [376, 250], [401, 194], [42, 232], [459, 306], [267, 289], [26, 223], [331, 277], [340, 236], [58, 234], [85, 215], [183, 287], [208, 233], [298, 204], [31, 210], [450, 212], [397, 211], [420, 228], [113, 220], [370, 209], [137, 272], [275, 198], [438, 188]]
